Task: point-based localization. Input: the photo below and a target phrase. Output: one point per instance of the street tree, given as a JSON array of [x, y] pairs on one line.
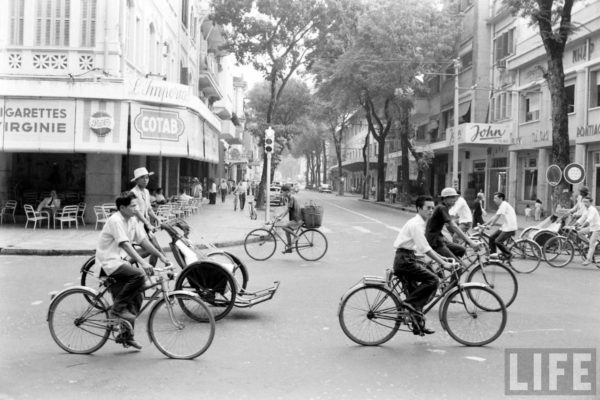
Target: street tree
[[553, 19], [383, 57], [273, 36], [310, 145]]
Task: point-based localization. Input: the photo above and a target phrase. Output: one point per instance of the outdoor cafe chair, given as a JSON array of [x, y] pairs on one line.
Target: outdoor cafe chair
[[8, 209], [35, 216], [101, 217], [81, 212], [67, 214]]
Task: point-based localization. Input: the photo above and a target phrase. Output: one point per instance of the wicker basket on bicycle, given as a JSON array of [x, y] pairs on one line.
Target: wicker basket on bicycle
[[312, 215]]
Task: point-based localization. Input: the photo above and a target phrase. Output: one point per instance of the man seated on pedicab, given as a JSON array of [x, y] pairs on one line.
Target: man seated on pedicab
[[440, 218], [114, 246], [411, 244], [293, 209], [589, 222]]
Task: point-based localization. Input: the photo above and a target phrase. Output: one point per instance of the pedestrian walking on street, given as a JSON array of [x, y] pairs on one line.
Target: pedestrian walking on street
[[243, 190], [212, 192], [393, 193], [223, 188], [478, 210], [196, 188], [538, 210]]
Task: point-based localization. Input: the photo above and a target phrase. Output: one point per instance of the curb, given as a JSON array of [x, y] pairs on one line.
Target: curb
[[11, 251], [388, 205]]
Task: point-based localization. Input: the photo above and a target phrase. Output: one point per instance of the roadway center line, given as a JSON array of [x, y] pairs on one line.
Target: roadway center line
[[365, 216], [475, 358], [361, 229]]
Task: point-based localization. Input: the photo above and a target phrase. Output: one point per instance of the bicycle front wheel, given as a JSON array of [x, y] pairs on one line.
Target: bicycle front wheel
[[212, 283], [527, 256], [260, 244], [177, 334], [558, 251], [369, 315], [499, 278], [311, 245], [473, 316], [78, 321]]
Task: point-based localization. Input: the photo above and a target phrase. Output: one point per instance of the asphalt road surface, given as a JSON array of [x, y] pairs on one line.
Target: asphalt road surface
[[291, 347]]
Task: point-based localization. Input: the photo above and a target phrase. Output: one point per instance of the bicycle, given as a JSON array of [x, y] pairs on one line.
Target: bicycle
[[373, 310], [520, 249], [179, 324], [260, 244], [560, 250]]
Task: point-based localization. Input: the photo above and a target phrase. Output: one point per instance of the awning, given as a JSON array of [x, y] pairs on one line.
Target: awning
[[464, 111]]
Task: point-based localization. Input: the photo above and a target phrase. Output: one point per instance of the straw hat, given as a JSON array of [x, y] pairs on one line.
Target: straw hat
[[139, 172]]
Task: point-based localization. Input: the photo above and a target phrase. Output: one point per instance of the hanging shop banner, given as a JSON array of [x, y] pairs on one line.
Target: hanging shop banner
[[195, 137], [486, 134], [211, 143], [101, 126], [33, 125], [158, 131]]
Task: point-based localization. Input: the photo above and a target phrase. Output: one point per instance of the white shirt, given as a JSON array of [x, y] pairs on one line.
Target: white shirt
[[591, 215], [508, 216], [117, 230], [461, 208], [143, 200], [412, 236]]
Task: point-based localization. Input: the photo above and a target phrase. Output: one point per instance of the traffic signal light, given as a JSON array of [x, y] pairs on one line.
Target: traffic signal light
[[269, 140]]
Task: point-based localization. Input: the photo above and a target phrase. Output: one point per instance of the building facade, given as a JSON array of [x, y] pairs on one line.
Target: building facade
[[91, 90]]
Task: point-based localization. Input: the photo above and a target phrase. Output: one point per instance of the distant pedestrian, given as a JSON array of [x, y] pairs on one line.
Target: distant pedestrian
[[393, 194], [224, 188], [538, 210], [527, 212], [242, 191], [478, 210], [196, 188], [212, 192]]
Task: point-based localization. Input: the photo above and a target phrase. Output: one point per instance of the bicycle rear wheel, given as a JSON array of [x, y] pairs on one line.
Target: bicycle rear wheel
[[473, 316], [527, 256], [240, 272], [499, 278], [558, 251], [212, 283], [174, 332], [78, 321], [311, 245], [260, 244], [369, 315]]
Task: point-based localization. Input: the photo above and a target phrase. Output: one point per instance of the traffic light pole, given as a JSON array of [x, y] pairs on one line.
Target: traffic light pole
[[268, 189]]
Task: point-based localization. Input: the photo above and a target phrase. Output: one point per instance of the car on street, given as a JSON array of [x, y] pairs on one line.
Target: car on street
[[325, 188], [275, 197]]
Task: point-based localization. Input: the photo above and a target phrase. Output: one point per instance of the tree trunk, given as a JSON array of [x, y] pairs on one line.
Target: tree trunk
[[366, 167], [404, 145], [324, 152], [381, 169]]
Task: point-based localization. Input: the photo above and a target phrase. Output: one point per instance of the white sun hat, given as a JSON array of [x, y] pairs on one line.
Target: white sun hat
[[139, 172]]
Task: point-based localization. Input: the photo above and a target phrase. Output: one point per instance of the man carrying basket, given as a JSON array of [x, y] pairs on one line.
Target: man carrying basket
[[293, 209]]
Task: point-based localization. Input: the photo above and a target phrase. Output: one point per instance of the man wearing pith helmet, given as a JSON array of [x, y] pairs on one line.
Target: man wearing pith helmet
[[440, 218]]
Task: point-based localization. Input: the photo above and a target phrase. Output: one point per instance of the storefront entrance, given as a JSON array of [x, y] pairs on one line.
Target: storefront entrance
[[497, 181]]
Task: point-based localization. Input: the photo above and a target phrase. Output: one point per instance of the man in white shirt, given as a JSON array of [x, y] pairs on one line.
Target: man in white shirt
[[409, 243], [589, 222], [508, 229], [579, 209], [183, 196], [462, 211], [114, 245], [144, 213]]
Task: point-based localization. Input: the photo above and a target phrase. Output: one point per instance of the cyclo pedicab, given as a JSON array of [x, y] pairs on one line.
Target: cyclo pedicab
[[218, 277]]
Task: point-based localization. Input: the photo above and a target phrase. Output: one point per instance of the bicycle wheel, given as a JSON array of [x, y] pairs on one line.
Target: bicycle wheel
[[311, 245], [527, 256], [473, 316], [499, 278], [177, 334], [558, 251], [212, 283], [240, 272], [76, 325], [369, 315], [260, 244]]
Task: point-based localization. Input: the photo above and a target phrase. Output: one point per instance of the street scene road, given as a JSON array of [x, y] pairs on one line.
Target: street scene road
[[291, 347]]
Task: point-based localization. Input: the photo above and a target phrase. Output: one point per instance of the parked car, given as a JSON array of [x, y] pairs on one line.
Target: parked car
[[325, 188], [275, 196]]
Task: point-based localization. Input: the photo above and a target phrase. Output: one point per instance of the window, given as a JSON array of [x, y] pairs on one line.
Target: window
[[421, 131], [434, 84], [570, 97], [466, 60], [184, 12], [504, 45], [88, 23], [52, 22], [17, 9], [595, 89], [530, 174], [532, 107], [151, 50], [447, 119], [501, 106], [139, 34]]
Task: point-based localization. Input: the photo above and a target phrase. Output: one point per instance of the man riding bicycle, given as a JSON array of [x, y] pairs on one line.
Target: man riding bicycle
[[590, 222], [411, 243], [293, 209], [508, 229], [440, 218], [114, 245]]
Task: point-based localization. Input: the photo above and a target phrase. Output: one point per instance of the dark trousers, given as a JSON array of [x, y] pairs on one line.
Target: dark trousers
[[449, 250], [127, 290], [497, 239], [212, 198], [422, 282], [242, 200]]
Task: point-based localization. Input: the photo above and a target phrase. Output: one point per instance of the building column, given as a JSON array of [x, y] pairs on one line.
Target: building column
[[102, 181], [580, 158], [512, 177], [5, 174], [544, 191]]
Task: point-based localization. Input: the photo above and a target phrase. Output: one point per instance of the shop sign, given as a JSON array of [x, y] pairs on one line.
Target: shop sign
[[480, 134], [590, 130], [159, 91], [101, 126], [537, 136], [159, 124], [38, 125], [101, 123]]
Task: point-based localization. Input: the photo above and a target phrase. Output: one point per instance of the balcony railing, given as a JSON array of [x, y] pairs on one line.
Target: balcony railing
[[49, 62]]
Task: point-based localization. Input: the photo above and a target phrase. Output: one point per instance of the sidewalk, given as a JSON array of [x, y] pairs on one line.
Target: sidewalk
[[217, 224], [521, 222]]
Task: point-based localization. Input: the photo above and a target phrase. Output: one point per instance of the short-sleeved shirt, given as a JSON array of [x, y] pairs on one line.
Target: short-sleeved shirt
[[591, 215], [412, 236], [116, 230], [462, 210], [508, 217], [143, 200], [436, 223]]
